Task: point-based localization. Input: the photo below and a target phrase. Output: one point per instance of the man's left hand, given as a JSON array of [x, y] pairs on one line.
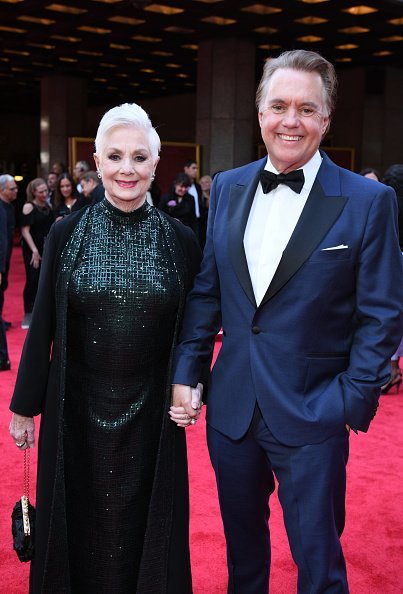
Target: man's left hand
[[186, 404]]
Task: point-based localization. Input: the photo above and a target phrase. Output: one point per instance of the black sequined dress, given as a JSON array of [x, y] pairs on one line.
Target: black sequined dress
[[122, 304]]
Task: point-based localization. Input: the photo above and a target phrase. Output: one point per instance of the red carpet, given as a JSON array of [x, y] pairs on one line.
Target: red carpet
[[373, 539]]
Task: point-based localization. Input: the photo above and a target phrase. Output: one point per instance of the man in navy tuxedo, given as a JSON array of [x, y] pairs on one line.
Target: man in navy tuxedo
[[304, 274]]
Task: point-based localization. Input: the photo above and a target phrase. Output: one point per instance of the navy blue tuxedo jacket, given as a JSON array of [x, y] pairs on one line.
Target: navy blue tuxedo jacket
[[316, 351]]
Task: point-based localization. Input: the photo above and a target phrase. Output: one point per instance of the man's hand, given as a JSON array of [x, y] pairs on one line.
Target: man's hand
[[22, 431], [186, 404]]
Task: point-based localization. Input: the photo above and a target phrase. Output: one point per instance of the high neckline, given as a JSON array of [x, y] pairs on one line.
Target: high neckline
[[114, 212]]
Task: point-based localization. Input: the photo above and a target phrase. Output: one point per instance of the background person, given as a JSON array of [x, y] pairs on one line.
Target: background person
[[205, 184], [96, 365], [8, 196], [4, 360], [92, 187], [67, 199], [302, 265], [179, 203], [370, 173], [36, 220], [394, 178]]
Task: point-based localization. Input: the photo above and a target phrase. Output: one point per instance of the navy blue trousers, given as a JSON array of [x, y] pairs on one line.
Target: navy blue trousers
[[312, 483]]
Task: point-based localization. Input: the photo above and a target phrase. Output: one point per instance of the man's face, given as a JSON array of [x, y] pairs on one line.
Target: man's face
[[52, 179], [78, 171], [10, 191], [293, 118], [191, 171]]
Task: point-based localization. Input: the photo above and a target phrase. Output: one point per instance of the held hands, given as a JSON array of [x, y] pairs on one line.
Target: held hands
[[186, 404], [22, 431]]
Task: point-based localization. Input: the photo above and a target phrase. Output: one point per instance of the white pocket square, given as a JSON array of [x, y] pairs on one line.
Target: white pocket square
[[336, 247]]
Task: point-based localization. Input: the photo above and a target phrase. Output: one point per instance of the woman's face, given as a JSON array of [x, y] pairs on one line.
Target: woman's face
[[126, 166], [65, 188], [40, 193], [180, 190]]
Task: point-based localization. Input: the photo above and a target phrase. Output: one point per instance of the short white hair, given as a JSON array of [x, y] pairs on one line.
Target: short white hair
[[128, 114], [4, 179]]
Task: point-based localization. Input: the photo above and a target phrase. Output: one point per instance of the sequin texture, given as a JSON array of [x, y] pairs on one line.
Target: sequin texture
[[122, 303]]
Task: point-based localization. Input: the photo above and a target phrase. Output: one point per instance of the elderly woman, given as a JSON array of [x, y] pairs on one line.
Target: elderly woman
[[112, 495]]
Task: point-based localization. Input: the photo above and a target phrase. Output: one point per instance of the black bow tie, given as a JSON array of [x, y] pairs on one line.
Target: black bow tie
[[294, 180]]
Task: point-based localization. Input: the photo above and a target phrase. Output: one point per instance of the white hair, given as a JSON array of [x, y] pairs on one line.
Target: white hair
[[128, 114], [4, 179]]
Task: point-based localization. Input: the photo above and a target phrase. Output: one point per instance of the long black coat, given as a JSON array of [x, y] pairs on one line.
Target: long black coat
[[40, 389]]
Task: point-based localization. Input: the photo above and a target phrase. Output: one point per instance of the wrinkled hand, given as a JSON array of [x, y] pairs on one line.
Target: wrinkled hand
[[186, 404], [22, 429]]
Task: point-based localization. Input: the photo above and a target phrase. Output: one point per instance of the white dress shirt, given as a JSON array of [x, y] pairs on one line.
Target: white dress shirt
[[272, 220], [193, 192]]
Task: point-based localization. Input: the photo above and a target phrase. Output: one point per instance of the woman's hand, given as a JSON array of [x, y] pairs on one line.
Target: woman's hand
[[22, 431], [35, 259], [186, 404]]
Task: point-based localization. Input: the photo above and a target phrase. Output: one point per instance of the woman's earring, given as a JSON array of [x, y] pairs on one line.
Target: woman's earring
[[99, 174], [153, 177]]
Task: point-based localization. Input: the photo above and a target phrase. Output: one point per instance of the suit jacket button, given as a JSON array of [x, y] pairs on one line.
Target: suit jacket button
[[256, 330]]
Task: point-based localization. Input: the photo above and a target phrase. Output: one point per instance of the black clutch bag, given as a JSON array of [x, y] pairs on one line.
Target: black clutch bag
[[23, 519]]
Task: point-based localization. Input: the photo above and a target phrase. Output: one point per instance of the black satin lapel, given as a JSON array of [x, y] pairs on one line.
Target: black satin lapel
[[318, 215], [239, 205]]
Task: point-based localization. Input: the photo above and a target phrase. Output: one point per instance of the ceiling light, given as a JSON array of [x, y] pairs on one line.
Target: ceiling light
[[101, 79], [396, 21], [266, 30], [134, 84], [311, 20], [392, 38], [382, 53], [163, 9], [65, 9], [347, 46], [136, 60], [208, 1], [343, 60], [147, 70], [190, 46], [31, 19], [65, 38], [107, 65], [261, 9], [354, 30], [11, 29], [183, 30], [42, 45], [12, 1], [107, 1], [16, 52], [68, 59], [118, 46], [146, 39], [125, 20], [217, 20], [162, 80], [88, 53], [97, 30], [269, 46], [162, 53], [310, 39], [170, 65], [360, 10], [313, 1]]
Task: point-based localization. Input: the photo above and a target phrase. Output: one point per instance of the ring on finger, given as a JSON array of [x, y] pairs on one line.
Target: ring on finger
[[193, 421], [20, 444]]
